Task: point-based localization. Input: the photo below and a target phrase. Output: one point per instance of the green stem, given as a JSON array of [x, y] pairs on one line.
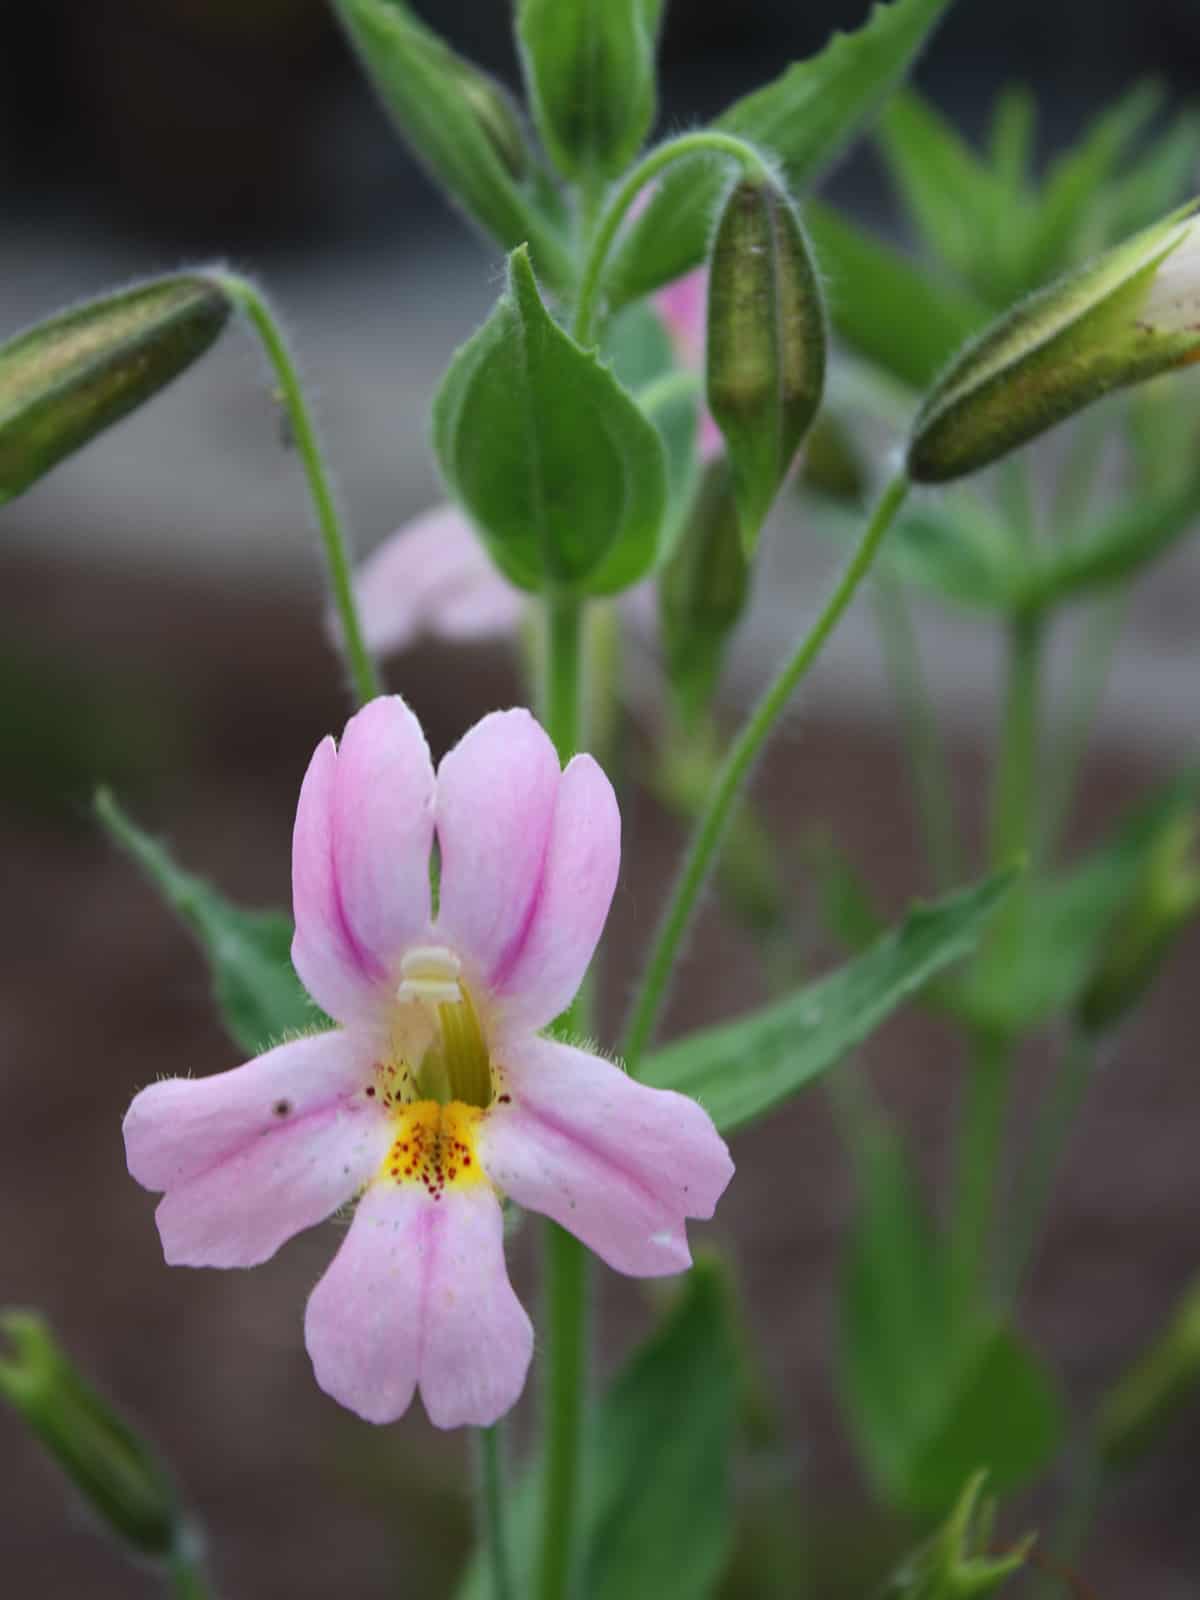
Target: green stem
[[492, 1497], [363, 673], [1013, 819], [1035, 1183], [981, 1140], [566, 1304], [978, 1154], [1085, 691], [929, 768], [740, 757], [704, 141], [184, 1569]]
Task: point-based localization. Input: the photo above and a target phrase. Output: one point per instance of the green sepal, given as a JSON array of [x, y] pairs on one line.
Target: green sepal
[[805, 118], [257, 992], [956, 1563], [66, 380], [459, 123], [590, 71], [1054, 354], [702, 592], [507, 423], [742, 1069], [120, 1478], [765, 346]]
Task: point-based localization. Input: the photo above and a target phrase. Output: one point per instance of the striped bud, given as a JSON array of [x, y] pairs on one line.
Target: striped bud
[[68, 379], [113, 1469], [766, 343], [1126, 317]]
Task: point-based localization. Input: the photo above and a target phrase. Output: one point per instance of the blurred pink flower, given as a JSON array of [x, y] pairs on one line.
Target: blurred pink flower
[[437, 1094], [683, 306]]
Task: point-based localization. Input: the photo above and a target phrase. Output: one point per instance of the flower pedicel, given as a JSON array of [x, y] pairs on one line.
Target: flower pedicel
[[436, 1095]]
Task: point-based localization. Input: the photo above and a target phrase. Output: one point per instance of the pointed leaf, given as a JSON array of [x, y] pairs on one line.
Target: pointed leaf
[[739, 1070], [257, 991], [508, 424], [805, 117], [458, 122]]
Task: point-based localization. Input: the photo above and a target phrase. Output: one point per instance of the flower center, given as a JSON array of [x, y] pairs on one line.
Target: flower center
[[435, 1147], [438, 1040]]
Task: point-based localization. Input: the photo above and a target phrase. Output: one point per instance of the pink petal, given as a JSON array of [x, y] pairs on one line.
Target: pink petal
[[433, 576], [383, 829], [710, 441], [620, 1165], [250, 1157], [683, 306], [579, 874], [360, 858], [495, 805], [419, 1294]]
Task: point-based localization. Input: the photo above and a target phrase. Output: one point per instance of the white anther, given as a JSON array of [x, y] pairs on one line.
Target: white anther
[[430, 973]]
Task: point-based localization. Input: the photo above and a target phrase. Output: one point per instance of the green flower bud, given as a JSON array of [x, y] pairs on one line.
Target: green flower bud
[[1135, 1412], [68, 379], [1129, 315], [766, 343], [114, 1470], [1165, 899], [702, 591], [952, 1565], [496, 113], [833, 464]]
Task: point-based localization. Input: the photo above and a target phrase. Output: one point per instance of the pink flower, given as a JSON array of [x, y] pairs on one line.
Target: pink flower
[[437, 1094], [434, 576]]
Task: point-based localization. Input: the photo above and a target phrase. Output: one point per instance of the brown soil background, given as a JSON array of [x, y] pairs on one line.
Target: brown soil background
[[100, 991]]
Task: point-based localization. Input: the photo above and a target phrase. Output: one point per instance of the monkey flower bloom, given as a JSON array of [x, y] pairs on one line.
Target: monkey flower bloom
[[436, 1095]]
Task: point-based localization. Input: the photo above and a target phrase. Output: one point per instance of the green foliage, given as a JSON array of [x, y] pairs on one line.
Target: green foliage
[[458, 122], [1141, 1406], [66, 380], [932, 1395], [121, 1481], [886, 307], [1061, 924], [248, 952], [805, 118], [740, 1070], [956, 1564], [508, 421], [766, 344], [702, 592], [589, 66], [658, 1516]]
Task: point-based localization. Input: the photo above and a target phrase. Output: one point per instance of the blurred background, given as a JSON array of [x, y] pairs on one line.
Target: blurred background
[[161, 628]]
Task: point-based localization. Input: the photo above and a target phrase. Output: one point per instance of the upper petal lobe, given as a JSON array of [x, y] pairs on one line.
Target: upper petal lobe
[[620, 1165]]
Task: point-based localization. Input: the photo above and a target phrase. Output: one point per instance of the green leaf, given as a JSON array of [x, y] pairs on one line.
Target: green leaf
[[1062, 923], [507, 424], [932, 1397], [456, 120], [1121, 546], [658, 1517], [1156, 183], [257, 991], [897, 314], [589, 67], [951, 196], [954, 545], [958, 1563], [66, 380], [805, 117], [740, 1070], [1071, 211]]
